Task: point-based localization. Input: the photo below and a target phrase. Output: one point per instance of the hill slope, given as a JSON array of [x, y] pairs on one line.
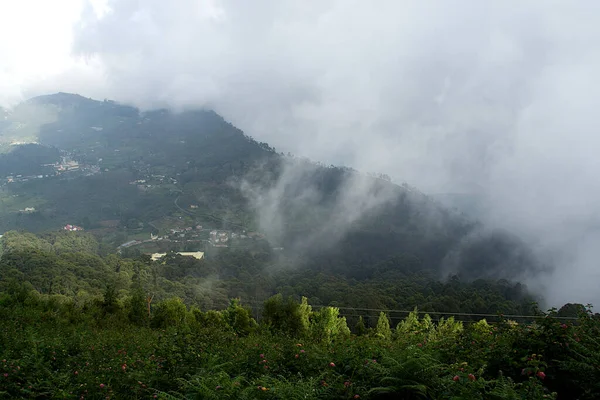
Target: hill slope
[[148, 169]]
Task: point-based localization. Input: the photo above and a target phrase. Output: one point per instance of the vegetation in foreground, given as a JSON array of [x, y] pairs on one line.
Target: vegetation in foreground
[[51, 347]]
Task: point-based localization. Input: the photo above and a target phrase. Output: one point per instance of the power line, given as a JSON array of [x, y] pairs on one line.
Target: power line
[[441, 313]]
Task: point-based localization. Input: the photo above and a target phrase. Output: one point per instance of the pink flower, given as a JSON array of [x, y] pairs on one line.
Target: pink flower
[[356, 396], [262, 356], [456, 378], [76, 373], [541, 375], [331, 364], [302, 351], [218, 387], [102, 385], [347, 383], [420, 344], [471, 377], [6, 375], [297, 355]]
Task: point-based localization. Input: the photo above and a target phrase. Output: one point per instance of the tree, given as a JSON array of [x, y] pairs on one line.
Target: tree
[[137, 308], [239, 318], [360, 327], [382, 330]]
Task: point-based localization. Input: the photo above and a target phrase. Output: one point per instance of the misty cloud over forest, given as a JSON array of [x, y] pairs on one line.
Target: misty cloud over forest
[[490, 98]]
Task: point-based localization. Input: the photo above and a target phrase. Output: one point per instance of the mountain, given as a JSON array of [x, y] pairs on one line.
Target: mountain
[[125, 174]]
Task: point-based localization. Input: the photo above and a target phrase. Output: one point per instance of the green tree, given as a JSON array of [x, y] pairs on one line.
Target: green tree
[[382, 330], [239, 318]]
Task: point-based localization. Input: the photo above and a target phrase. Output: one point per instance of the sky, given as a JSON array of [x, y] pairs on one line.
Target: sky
[[493, 98]]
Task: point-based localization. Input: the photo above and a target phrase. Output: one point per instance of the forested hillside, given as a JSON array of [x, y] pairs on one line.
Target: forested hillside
[[76, 324], [147, 170], [344, 285]]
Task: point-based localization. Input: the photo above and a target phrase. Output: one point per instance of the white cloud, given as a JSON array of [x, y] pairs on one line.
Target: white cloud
[[496, 95]]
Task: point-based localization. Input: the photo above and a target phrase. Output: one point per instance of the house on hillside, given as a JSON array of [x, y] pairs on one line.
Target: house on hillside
[[72, 228]]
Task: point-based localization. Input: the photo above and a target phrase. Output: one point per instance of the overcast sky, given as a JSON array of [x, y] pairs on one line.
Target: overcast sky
[[496, 97]]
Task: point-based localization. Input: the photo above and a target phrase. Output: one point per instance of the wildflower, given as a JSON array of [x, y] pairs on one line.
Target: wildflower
[[76, 373], [261, 355], [5, 375], [102, 385], [541, 375], [218, 387], [302, 351], [356, 396], [471, 377], [347, 383], [297, 355], [331, 364], [323, 383], [374, 361], [564, 326], [456, 378], [266, 367], [420, 344]]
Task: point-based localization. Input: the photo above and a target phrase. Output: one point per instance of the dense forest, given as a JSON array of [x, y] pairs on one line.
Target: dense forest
[[76, 324], [325, 217]]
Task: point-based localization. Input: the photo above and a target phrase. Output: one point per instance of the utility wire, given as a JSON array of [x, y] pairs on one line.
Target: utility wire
[[508, 316]]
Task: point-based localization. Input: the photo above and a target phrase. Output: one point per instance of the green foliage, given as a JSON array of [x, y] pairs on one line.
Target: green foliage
[[327, 325], [51, 348], [382, 330], [170, 313], [239, 318], [286, 315]]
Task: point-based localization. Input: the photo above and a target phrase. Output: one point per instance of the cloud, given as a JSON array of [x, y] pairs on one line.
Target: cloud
[[490, 97], [310, 207]]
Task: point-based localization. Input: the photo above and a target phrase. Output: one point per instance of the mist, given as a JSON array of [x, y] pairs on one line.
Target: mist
[[493, 99]]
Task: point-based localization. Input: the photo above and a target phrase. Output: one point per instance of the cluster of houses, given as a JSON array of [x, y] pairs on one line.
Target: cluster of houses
[[59, 168], [219, 238], [72, 228], [151, 181]]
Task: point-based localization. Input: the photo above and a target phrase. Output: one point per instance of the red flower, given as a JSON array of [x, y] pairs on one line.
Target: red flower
[[456, 378], [297, 355], [262, 356], [331, 364], [471, 377], [541, 375]]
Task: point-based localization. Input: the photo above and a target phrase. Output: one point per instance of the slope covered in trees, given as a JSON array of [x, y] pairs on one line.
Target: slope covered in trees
[[331, 219]]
